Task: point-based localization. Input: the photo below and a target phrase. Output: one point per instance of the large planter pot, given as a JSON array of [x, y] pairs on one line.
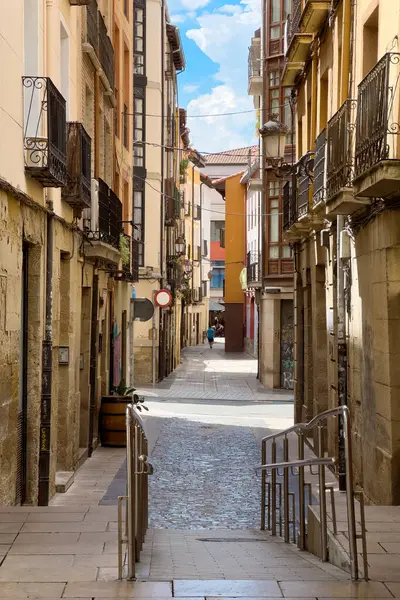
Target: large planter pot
[[112, 426]]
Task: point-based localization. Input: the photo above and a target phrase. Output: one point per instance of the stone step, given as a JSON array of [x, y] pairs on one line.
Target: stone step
[[64, 480]]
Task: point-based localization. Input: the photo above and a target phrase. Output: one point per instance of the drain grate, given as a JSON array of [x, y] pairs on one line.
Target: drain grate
[[236, 540]]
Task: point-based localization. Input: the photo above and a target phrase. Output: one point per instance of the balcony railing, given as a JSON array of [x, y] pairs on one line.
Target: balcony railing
[[319, 169], [174, 273], [77, 191], [197, 295], [92, 25], [109, 216], [289, 205], [254, 62], [45, 132], [303, 194], [253, 267], [173, 202], [106, 52], [377, 115], [340, 138], [294, 21]]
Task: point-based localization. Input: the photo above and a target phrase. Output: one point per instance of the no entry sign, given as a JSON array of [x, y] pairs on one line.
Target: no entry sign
[[163, 298]]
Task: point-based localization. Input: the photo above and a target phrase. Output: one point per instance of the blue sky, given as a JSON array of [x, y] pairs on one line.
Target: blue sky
[[216, 36]]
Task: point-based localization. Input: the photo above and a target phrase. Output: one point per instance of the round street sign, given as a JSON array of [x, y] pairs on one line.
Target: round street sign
[[163, 298], [143, 309]]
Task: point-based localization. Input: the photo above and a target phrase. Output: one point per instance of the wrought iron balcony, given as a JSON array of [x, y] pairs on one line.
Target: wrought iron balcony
[[77, 192], [253, 267], [319, 169], [173, 202], [107, 227], [304, 183], [340, 162], [197, 294], [255, 80], [92, 26], [45, 132], [377, 128], [289, 205], [106, 54]]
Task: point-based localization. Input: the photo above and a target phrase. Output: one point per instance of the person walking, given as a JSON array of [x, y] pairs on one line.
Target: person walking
[[210, 336]]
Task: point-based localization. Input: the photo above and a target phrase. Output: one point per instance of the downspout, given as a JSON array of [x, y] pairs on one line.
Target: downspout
[[161, 353], [192, 231], [93, 358], [201, 237], [47, 373]]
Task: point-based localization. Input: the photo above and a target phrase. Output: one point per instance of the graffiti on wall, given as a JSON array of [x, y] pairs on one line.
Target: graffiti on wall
[[287, 344]]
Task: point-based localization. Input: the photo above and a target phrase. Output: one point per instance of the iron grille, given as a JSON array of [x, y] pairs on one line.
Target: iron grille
[[289, 205], [294, 21], [303, 194], [106, 51], [92, 25], [376, 114], [135, 260], [319, 168], [254, 62], [173, 202], [339, 150], [110, 216], [45, 132], [77, 191]]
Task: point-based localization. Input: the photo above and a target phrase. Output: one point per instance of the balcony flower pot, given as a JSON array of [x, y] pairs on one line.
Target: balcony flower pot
[[112, 426]]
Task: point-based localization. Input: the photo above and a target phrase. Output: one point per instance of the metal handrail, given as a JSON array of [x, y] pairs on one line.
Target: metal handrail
[[138, 469], [300, 429]]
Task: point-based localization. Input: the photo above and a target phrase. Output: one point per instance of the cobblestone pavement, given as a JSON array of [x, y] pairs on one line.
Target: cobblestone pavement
[[204, 477], [212, 374]]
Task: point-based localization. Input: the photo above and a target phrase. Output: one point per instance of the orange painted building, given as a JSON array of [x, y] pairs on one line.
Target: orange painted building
[[235, 259]]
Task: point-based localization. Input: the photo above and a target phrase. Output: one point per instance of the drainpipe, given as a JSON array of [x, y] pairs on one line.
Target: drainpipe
[[93, 358], [263, 228], [161, 349], [341, 350], [192, 230], [201, 237], [47, 372]]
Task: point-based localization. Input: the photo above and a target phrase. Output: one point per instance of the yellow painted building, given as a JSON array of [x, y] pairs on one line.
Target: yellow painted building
[[342, 217]]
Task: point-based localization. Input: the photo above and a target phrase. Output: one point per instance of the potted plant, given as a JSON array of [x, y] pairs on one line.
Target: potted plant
[[112, 427]]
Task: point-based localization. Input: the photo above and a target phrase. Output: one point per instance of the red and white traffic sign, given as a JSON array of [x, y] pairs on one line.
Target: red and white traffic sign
[[163, 298]]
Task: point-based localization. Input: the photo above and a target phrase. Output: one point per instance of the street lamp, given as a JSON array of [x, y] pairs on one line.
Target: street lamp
[[274, 135], [180, 246]]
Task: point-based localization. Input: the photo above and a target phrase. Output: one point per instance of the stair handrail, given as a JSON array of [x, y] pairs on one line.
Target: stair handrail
[[300, 429]]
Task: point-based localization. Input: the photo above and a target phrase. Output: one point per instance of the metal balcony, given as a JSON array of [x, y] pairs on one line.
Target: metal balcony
[[319, 170], [173, 202], [253, 268], [77, 192], [303, 195], [45, 132], [289, 205], [377, 156], [92, 26], [255, 79], [106, 53], [103, 224], [306, 19]]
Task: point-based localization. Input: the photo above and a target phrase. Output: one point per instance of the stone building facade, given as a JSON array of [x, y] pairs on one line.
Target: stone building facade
[[342, 219], [64, 279]]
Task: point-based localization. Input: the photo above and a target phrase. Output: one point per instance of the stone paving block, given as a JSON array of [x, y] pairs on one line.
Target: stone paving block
[[114, 590], [61, 527], [39, 560], [25, 548], [52, 517], [260, 589], [322, 589], [45, 574], [31, 590]]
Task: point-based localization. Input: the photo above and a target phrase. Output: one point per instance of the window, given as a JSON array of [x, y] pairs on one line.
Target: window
[[138, 220], [274, 188], [275, 11], [286, 252], [138, 149], [139, 42], [275, 32], [218, 274], [216, 226], [274, 102], [273, 78], [286, 8]]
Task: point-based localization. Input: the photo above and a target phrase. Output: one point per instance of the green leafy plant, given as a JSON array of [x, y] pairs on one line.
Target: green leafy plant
[[122, 390], [183, 166], [124, 249]]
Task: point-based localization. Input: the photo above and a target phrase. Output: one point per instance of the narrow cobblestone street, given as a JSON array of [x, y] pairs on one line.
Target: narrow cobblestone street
[[204, 539]]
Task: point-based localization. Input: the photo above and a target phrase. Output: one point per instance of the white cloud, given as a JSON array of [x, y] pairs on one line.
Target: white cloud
[[224, 35], [176, 19], [194, 4], [190, 89]]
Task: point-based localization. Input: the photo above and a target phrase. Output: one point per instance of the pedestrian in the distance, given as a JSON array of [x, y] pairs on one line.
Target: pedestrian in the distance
[[210, 336]]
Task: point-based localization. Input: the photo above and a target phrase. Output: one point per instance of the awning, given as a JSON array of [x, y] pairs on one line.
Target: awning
[[216, 306]]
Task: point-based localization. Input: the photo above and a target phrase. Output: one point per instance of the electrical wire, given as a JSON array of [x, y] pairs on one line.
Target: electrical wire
[[202, 152], [226, 114], [246, 214]]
